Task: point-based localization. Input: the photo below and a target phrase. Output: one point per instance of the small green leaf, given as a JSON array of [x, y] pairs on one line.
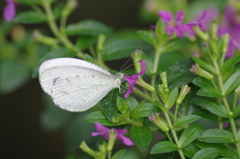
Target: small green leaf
[[122, 48], [121, 154], [173, 95], [179, 74], [60, 52], [232, 82], [223, 150], [122, 105], [206, 153], [132, 102], [57, 10], [30, 17], [148, 36], [108, 104], [184, 120], [88, 28], [190, 134], [202, 82], [141, 136], [204, 65], [163, 147], [230, 63], [99, 117], [236, 111], [29, 2], [85, 42], [145, 110], [209, 92], [211, 105], [190, 150], [216, 136]]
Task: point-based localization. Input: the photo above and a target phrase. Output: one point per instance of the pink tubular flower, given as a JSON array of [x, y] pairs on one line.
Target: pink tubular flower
[[174, 25], [9, 10], [132, 80], [104, 131]]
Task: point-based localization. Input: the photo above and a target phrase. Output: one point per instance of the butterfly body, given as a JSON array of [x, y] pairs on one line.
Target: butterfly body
[[76, 85]]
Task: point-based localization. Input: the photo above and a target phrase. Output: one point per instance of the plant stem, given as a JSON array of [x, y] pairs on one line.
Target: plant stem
[[174, 135], [225, 102], [155, 66]]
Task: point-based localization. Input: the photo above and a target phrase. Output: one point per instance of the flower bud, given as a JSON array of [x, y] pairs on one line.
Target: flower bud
[[184, 91], [158, 122], [200, 33], [201, 72]]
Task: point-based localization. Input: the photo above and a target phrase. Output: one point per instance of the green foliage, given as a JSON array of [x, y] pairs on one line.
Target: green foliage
[[163, 147], [141, 136], [30, 17]]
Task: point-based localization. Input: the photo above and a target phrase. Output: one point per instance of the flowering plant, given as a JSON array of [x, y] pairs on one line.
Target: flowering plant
[[182, 96]]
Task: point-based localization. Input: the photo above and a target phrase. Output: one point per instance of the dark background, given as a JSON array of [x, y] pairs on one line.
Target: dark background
[[21, 135]]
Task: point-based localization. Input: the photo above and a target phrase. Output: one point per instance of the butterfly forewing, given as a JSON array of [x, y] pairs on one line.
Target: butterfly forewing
[[75, 85]]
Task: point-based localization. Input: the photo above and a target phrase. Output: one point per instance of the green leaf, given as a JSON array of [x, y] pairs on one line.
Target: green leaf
[[190, 150], [99, 117], [204, 65], [88, 28], [109, 105], [190, 134], [57, 10], [173, 95], [179, 74], [60, 52], [122, 48], [145, 110], [211, 105], [13, 75], [30, 17], [141, 136], [232, 82], [85, 42], [121, 154], [163, 147], [202, 82], [223, 150], [29, 2], [132, 102], [230, 63], [209, 92], [148, 36], [217, 136], [206, 153], [122, 105], [52, 117], [184, 120], [236, 111]]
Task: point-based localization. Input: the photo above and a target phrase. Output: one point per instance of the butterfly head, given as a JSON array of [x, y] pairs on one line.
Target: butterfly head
[[118, 78]]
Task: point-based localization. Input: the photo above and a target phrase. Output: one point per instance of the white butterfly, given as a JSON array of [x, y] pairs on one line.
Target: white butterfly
[[76, 85]]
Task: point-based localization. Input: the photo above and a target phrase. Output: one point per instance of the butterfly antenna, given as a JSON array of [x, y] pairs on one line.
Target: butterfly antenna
[[121, 70]]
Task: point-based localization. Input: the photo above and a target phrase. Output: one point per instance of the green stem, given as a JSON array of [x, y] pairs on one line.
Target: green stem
[[225, 102], [176, 111], [143, 95], [55, 30], [174, 135], [155, 66]]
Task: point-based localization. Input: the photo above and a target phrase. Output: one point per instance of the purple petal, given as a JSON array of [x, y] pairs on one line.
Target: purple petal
[[132, 79], [143, 65], [229, 14], [120, 132], [203, 15], [129, 91], [9, 11], [166, 16], [126, 141], [230, 51], [179, 16], [169, 29], [100, 127]]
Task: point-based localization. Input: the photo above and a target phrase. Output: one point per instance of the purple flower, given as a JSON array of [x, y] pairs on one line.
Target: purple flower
[[104, 131], [203, 20], [231, 27], [132, 80], [174, 25], [9, 10]]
